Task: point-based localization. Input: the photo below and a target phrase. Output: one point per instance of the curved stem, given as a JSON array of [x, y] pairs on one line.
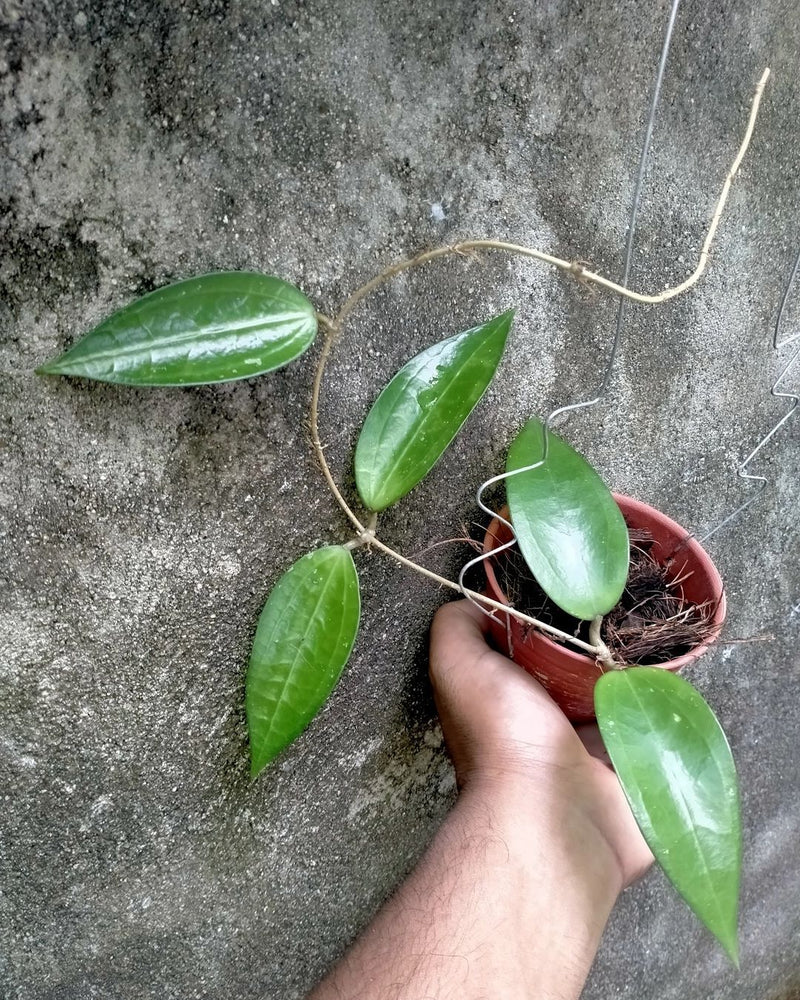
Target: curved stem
[[604, 656], [330, 331], [333, 329], [575, 267], [488, 601], [366, 534]]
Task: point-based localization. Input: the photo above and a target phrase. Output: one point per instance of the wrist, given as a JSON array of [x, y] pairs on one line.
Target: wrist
[[549, 882], [543, 818]]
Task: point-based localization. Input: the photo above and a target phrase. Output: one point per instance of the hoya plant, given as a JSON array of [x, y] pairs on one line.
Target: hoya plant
[[668, 748], [669, 751]]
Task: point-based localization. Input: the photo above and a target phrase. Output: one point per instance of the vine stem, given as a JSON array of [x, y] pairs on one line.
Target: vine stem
[[604, 657], [367, 534], [488, 601], [333, 328]]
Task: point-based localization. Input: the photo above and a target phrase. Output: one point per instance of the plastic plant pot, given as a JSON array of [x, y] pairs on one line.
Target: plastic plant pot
[[570, 675]]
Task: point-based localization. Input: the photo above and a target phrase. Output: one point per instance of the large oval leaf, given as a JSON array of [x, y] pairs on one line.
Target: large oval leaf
[[676, 769], [214, 328], [422, 409], [303, 640], [569, 528]]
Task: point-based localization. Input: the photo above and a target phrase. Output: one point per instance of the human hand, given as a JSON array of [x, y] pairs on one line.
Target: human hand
[[513, 893], [510, 742]]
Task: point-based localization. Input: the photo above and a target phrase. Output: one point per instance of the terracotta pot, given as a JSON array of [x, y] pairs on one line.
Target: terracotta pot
[[570, 675]]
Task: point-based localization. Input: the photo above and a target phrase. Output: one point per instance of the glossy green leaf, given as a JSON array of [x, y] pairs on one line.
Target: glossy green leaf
[[676, 769], [569, 528], [303, 640], [214, 328], [422, 409]]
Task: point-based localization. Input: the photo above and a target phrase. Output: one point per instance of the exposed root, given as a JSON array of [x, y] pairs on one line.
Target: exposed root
[[652, 623]]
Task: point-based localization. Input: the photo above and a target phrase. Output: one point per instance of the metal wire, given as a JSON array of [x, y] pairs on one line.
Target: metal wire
[[600, 393], [791, 397]]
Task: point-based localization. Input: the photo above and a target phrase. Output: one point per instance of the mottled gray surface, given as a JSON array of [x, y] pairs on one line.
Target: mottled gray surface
[[141, 531]]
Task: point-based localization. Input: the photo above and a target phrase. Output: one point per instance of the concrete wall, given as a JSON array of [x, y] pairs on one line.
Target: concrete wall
[[141, 531]]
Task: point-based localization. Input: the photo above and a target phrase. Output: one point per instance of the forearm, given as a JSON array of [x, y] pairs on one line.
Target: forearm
[[507, 902]]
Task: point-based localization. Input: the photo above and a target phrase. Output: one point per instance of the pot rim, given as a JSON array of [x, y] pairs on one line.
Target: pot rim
[[490, 542]]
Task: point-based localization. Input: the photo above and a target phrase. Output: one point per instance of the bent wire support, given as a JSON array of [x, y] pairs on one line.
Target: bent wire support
[[791, 397]]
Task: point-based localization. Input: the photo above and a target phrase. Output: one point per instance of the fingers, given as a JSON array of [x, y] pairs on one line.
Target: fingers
[[462, 664], [461, 624], [457, 638]]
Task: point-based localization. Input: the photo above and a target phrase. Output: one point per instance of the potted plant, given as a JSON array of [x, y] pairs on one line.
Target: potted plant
[[668, 749], [672, 612]]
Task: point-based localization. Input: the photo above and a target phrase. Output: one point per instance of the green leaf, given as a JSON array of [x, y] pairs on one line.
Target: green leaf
[[422, 409], [676, 769], [303, 640], [568, 525], [214, 328]]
